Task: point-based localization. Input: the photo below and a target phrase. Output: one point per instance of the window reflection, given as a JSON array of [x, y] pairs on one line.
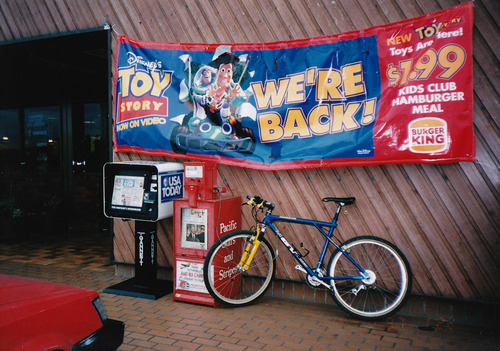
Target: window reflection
[[42, 133], [10, 142], [88, 149]]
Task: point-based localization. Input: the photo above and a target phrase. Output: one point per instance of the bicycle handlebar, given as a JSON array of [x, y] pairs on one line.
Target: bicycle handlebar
[[259, 202]]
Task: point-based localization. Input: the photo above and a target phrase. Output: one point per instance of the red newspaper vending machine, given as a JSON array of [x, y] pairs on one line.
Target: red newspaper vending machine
[[200, 218]]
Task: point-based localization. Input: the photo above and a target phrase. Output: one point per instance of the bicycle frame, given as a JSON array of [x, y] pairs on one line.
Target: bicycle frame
[[319, 225]]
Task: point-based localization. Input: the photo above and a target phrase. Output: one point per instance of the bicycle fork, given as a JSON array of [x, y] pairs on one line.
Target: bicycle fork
[[248, 254], [251, 247]]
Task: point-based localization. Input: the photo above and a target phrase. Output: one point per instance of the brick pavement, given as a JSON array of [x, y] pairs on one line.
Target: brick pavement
[[271, 324]]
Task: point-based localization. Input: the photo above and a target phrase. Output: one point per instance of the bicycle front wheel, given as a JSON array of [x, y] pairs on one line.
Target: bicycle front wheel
[[388, 281], [226, 282]]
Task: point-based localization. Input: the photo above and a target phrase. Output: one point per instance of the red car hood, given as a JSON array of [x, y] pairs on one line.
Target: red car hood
[[15, 289], [19, 293]]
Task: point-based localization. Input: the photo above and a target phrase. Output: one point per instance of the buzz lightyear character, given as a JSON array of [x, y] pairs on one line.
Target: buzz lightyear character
[[203, 80]]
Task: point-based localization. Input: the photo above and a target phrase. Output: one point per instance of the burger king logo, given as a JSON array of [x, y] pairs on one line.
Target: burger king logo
[[428, 135]]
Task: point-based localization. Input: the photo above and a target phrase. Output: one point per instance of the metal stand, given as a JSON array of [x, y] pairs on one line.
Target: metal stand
[[145, 283]]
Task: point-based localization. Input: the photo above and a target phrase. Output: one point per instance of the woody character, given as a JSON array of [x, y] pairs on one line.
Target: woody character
[[224, 94]]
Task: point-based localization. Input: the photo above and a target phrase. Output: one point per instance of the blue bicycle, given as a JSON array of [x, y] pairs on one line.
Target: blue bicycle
[[367, 276]]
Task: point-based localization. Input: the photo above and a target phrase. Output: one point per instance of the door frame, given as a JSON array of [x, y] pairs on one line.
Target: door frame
[[16, 100]]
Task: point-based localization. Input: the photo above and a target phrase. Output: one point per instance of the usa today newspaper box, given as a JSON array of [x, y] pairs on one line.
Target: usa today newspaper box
[[142, 191]]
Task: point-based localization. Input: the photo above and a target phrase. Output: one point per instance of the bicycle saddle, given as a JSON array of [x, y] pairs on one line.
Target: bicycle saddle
[[341, 200]]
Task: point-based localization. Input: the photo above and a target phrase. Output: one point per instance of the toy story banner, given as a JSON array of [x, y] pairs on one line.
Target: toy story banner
[[397, 93]]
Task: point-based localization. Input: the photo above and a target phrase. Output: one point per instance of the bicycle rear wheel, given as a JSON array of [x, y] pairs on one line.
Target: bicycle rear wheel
[[226, 282], [380, 295]]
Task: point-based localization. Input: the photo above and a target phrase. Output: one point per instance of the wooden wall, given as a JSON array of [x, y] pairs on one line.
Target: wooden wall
[[446, 218]]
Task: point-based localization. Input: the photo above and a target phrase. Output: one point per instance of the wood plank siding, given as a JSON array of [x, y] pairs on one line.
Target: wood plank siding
[[445, 217]]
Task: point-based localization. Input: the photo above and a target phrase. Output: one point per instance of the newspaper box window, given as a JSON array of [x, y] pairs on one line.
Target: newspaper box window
[[193, 228]]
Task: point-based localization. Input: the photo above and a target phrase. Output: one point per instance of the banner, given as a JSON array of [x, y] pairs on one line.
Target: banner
[[397, 93]]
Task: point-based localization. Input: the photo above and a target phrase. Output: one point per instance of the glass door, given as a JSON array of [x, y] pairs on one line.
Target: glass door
[[43, 187], [33, 206], [51, 170], [90, 151]]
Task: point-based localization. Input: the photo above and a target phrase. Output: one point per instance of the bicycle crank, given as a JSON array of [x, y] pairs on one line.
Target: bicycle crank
[[312, 281], [300, 268]]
